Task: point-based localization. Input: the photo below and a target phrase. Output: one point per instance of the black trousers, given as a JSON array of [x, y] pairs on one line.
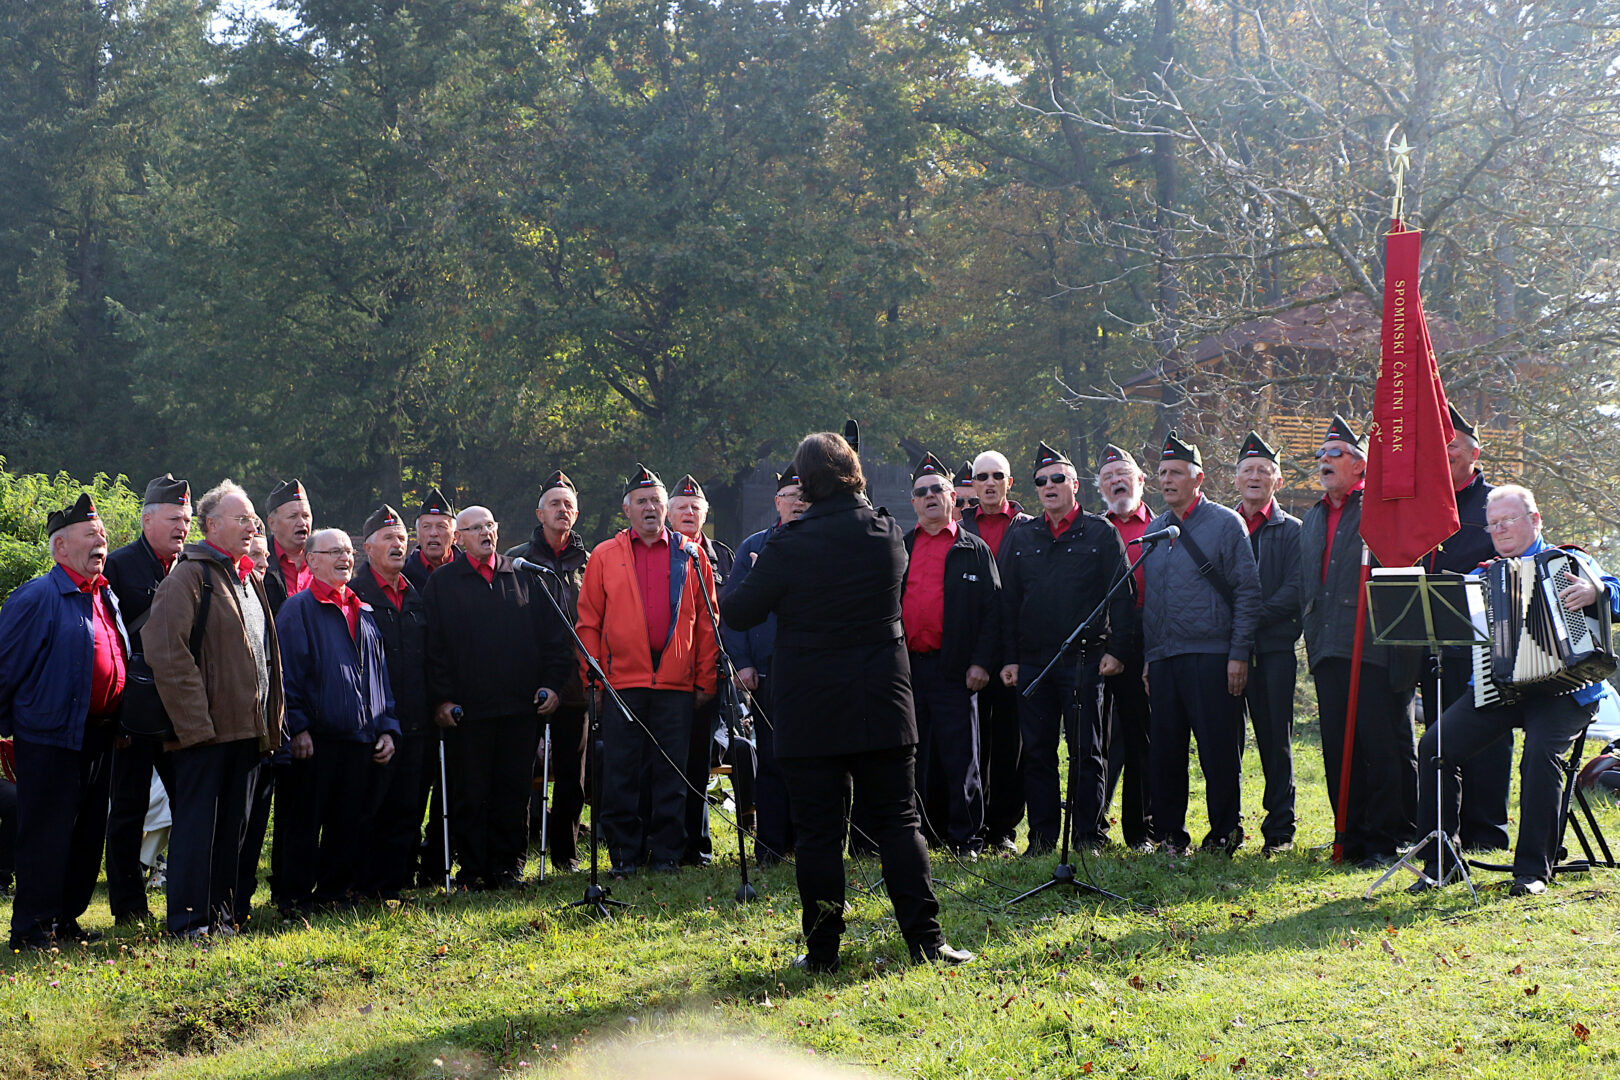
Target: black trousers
[[948, 748], [1129, 752], [131, 793], [1056, 702], [644, 795], [821, 789], [61, 831], [209, 804], [1001, 760], [492, 774], [773, 820], [261, 797], [704, 747], [1270, 700], [1551, 726], [323, 806], [393, 821], [1189, 700], [568, 734], [1486, 776], [8, 833], [1384, 761]]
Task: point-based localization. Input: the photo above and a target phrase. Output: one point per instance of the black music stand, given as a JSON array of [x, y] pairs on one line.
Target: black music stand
[[1410, 607]]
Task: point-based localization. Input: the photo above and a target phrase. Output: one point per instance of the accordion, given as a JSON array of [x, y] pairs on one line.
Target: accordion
[[1537, 645]]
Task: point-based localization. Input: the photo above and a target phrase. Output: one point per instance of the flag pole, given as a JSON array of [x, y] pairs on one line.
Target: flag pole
[[1341, 811]]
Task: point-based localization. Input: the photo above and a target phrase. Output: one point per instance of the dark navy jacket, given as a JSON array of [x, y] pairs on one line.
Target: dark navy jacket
[[134, 573], [47, 650], [751, 648], [404, 638], [336, 686]]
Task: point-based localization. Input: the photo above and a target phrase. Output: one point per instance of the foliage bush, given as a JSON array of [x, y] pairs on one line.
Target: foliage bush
[[27, 499]]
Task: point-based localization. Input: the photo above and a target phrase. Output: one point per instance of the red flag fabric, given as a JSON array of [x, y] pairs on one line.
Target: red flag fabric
[[1409, 507]]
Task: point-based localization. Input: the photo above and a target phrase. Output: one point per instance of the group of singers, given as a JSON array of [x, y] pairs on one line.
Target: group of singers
[[882, 673]]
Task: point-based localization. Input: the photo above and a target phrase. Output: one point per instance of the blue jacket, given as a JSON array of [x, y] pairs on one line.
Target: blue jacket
[[47, 650], [751, 648], [335, 687], [1592, 691]]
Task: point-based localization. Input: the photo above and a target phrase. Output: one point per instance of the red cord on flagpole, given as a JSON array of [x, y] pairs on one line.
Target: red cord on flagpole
[[1343, 807]]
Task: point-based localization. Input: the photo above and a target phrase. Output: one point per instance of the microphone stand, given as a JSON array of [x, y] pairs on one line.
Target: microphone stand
[[730, 707], [1063, 873], [597, 896]]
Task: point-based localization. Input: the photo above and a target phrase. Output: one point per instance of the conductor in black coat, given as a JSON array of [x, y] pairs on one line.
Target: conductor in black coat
[[844, 716]]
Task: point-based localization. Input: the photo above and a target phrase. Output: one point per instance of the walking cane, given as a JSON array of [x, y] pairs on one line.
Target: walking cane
[[444, 800], [545, 800]]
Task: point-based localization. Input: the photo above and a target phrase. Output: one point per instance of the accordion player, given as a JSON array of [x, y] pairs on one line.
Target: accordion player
[[1543, 672]]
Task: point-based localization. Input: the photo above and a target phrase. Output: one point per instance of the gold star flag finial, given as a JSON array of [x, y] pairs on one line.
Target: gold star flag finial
[[1403, 155]]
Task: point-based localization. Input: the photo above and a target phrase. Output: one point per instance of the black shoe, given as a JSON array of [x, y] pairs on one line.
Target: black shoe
[[1276, 847], [1428, 883], [131, 918], [72, 931], [765, 860], [1527, 886], [1378, 860], [1223, 845], [812, 965], [1038, 848], [665, 866], [1170, 847], [39, 942], [940, 954], [1003, 844]]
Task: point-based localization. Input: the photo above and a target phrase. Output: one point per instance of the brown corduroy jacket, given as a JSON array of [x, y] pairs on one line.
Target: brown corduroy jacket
[[215, 701]]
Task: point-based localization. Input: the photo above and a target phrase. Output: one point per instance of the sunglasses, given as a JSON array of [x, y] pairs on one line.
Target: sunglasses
[[990, 476], [1337, 451], [963, 504], [924, 492], [1059, 478]]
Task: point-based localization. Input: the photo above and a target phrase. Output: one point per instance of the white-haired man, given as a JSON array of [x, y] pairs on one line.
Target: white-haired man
[[1551, 722], [1120, 483], [1001, 762], [63, 652]]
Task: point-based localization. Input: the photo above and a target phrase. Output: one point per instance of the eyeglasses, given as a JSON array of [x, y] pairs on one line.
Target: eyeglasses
[[1504, 524], [247, 521], [990, 476], [1337, 451], [334, 551], [924, 492], [482, 526], [1058, 478]]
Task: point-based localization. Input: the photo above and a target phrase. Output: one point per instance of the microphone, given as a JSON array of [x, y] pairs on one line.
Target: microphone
[[532, 567], [1169, 532], [691, 550]]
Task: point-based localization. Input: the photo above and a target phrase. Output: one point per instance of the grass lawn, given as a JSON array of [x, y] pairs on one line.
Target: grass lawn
[[1214, 968]]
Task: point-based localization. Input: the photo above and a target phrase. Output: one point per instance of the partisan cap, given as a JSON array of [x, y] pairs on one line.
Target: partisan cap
[[1341, 431], [436, 503], [83, 510], [1254, 446], [1176, 450], [381, 518], [642, 478], [1045, 456], [689, 487], [1111, 454], [928, 466], [1459, 423], [285, 492], [166, 489], [558, 479], [787, 477]]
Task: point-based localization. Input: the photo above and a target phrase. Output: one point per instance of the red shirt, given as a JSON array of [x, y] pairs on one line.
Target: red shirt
[[421, 556], [993, 527], [342, 598], [485, 568], [244, 565], [922, 609], [1062, 526], [652, 577], [395, 591], [1131, 527], [107, 668], [297, 577], [1333, 513], [1259, 519]]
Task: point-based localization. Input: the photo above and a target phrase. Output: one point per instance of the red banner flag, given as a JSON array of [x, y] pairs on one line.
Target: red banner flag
[[1409, 507]]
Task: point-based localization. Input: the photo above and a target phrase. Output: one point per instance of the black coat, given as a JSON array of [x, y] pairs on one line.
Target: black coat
[[1328, 607], [972, 606], [570, 570], [404, 639], [1276, 552], [1470, 545], [416, 570], [134, 574], [1049, 585], [490, 646], [275, 583], [843, 679]]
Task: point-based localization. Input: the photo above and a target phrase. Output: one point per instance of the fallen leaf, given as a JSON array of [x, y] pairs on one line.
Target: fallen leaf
[[1532, 991], [1582, 1032], [365, 1010], [1136, 982], [1237, 1066], [1517, 970], [1086, 1067], [1206, 1057]]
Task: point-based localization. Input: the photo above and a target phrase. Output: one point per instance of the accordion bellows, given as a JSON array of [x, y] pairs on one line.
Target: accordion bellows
[[1538, 646]]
